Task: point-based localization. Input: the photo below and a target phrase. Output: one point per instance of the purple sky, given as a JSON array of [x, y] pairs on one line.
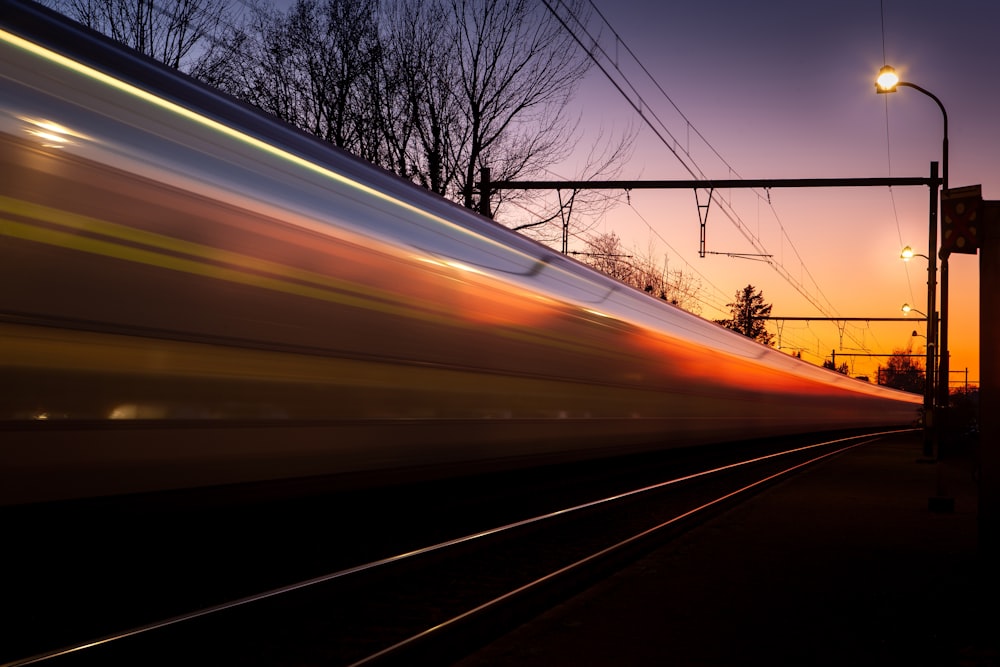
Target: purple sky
[[785, 89]]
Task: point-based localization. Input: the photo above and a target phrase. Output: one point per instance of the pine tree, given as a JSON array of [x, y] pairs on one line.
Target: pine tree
[[748, 312]]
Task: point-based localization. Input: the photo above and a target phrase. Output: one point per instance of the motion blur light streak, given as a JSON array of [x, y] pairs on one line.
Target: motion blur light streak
[[163, 252], [188, 312], [221, 128]]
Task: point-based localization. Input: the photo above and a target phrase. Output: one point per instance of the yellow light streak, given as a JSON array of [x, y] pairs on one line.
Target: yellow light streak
[[150, 98]]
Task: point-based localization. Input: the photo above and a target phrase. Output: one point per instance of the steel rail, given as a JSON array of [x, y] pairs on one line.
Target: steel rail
[[444, 626], [340, 574]]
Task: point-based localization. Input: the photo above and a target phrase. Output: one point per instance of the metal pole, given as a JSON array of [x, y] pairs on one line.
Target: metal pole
[[944, 115], [944, 363], [932, 244], [485, 192], [930, 427]]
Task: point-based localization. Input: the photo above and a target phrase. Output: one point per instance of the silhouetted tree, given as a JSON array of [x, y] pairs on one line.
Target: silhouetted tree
[[433, 90], [314, 66], [606, 253], [829, 363], [517, 69], [421, 121], [166, 30], [903, 372], [747, 311]]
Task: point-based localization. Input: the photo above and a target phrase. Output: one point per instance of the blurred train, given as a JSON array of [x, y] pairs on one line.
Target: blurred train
[[195, 294]]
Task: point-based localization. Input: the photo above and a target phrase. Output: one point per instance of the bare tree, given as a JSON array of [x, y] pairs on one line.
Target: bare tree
[[642, 271], [518, 69], [606, 253], [544, 212], [471, 83], [903, 371], [683, 290], [430, 89], [422, 127], [167, 30], [314, 66], [674, 286]]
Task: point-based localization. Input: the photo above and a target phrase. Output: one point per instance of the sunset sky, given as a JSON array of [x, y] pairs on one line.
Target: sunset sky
[[785, 89]]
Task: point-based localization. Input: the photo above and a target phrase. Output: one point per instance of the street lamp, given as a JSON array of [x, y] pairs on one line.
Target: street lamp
[[887, 82], [928, 375], [907, 254]]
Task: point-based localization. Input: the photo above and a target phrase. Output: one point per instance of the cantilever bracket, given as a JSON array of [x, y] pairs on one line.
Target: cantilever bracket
[[703, 217], [756, 256], [565, 215]]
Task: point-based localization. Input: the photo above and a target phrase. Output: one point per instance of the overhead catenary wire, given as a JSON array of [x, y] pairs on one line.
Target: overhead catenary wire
[[646, 112], [888, 159], [682, 154]]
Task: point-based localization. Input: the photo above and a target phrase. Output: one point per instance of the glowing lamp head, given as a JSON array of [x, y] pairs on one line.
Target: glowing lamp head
[[906, 309], [907, 254], [887, 80]]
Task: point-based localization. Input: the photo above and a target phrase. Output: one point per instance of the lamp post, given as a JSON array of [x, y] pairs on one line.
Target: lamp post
[[928, 378], [887, 82], [906, 255]]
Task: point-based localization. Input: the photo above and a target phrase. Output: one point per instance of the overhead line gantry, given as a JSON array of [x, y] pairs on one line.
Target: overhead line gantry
[[487, 187]]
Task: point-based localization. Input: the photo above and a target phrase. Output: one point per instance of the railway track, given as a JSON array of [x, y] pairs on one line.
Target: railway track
[[387, 598]]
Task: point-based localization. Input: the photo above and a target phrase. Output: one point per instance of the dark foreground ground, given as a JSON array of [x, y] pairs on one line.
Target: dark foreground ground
[[842, 565]]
